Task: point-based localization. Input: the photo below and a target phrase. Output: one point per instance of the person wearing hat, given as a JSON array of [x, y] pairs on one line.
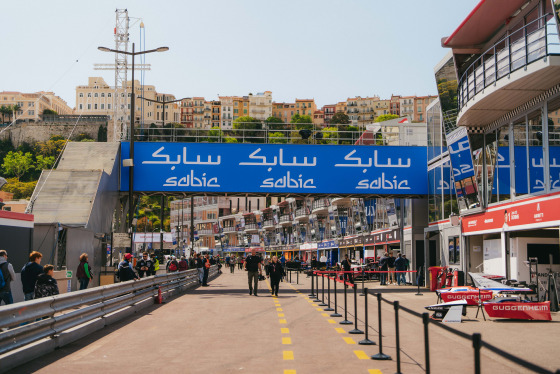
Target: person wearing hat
[[125, 270]]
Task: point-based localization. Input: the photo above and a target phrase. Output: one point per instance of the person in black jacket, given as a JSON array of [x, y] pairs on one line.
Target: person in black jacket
[[125, 270], [46, 285], [274, 271], [391, 265], [383, 266], [145, 266], [29, 274], [347, 267]]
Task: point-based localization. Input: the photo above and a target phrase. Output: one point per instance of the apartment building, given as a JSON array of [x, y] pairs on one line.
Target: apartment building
[[395, 106], [215, 108], [97, 98], [32, 105], [226, 111], [361, 110], [306, 107], [260, 105], [241, 106], [187, 112], [329, 111], [284, 111], [415, 107]]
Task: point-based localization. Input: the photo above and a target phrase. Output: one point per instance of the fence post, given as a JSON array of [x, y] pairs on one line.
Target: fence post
[[366, 341], [345, 322], [426, 321], [363, 292], [476, 338], [323, 290], [317, 300], [311, 294], [380, 355], [329, 309], [356, 330], [396, 306], [335, 314], [297, 276]]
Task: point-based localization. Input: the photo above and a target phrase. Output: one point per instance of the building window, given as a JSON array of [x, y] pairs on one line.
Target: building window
[[109, 95], [95, 106], [81, 106], [102, 106], [31, 112], [244, 111], [108, 106], [89, 94], [95, 95], [89, 106], [102, 95], [81, 94]]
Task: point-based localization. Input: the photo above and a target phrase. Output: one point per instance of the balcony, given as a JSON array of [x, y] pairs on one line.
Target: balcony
[[251, 227], [205, 232], [285, 220], [301, 214], [229, 229], [342, 202], [513, 71], [268, 224], [320, 206]]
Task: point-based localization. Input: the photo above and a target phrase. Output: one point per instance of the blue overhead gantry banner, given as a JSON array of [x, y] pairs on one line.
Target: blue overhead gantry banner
[[276, 168]]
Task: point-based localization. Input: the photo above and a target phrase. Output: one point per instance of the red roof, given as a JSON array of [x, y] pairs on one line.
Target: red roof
[[17, 216], [482, 22]]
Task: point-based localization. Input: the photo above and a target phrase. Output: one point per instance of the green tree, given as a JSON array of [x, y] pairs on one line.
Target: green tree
[[102, 133], [5, 111], [51, 147], [229, 139], [49, 112], [277, 138], [330, 135], [275, 123], [302, 122], [249, 129], [12, 109], [386, 117], [214, 135], [339, 119], [5, 147], [21, 190], [43, 162], [82, 137], [17, 163]]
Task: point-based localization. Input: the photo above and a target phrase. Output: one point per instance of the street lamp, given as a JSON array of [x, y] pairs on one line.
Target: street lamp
[[131, 162], [164, 102]]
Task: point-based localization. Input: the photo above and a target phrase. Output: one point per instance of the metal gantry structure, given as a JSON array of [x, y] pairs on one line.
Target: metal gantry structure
[[120, 96]]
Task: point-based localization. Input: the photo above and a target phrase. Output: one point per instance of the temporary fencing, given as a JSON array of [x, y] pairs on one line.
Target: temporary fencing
[[476, 338]]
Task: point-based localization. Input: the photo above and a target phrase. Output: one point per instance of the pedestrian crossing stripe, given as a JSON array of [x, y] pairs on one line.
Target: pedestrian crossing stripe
[[284, 330], [289, 371], [361, 355], [331, 321], [286, 340], [325, 314], [370, 371], [319, 309], [349, 340], [283, 321], [279, 309], [340, 330], [281, 315], [289, 355]]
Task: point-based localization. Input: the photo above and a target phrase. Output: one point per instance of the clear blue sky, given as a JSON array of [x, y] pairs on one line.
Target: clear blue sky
[[323, 49]]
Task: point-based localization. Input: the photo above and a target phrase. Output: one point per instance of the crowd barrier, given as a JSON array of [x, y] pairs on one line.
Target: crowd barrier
[[476, 338], [36, 327]]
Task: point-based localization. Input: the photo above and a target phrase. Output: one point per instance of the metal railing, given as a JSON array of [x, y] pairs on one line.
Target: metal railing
[[40, 326], [513, 52], [280, 133]]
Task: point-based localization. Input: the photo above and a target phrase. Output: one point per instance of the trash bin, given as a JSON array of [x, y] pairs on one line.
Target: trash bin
[[434, 270]]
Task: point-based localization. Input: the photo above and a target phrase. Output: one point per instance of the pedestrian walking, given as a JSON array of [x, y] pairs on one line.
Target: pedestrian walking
[[400, 265], [125, 270], [29, 274], [145, 266], [346, 267], [240, 263], [206, 270], [84, 273], [156, 265], [232, 263], [275, 271], [46, 285], [199, 268], [383, 266], [7, 276], [253, 268], [391, 266], [172, 265]]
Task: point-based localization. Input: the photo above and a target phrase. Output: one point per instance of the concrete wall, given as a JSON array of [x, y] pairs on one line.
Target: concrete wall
[[38, 132]]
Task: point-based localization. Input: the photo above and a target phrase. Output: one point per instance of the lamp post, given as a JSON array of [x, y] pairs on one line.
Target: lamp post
[[163, 102], [131, 162]]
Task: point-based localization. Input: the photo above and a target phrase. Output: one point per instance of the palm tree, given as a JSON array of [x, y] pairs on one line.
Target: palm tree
[[3, 111], [13, 109]]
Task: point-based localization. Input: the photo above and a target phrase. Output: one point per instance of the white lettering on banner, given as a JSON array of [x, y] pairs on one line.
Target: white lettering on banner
[[360, 164], [464, 168], [168, 161], [472, 223], [461, 147], [287, 182], [277, 160], [382, 183], [489, 220], [192, 181], [443, 185], [519, 307]]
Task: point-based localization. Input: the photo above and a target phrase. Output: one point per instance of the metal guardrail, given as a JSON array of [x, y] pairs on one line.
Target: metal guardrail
[[513, 52], [39, 326]]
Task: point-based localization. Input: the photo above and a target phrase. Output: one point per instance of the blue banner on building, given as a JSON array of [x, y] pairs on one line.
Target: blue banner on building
[[275, 168]]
